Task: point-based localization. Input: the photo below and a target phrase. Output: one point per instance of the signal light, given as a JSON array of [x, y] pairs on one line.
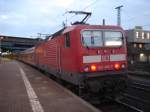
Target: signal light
[[86, 69], [93, 68], [123, 66], [117, 66]]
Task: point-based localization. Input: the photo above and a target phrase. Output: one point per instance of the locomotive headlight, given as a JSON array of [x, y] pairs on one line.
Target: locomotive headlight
[[123, 66], [93, 68], [117, 66], [86, 68]]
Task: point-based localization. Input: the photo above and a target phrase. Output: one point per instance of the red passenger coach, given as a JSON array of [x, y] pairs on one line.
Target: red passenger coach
[[90, 57], [27, 56]]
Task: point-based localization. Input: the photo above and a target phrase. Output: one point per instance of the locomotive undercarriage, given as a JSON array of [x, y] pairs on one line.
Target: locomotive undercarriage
[[94, 85], [103, 86]]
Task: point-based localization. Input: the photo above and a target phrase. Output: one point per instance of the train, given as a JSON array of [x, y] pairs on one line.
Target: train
[[92, 58]]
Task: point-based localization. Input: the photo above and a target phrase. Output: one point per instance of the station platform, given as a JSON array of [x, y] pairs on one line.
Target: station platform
[[25, 89]]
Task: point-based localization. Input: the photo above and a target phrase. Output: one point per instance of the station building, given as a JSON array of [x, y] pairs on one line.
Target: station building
[[138, 43], [16, 44]]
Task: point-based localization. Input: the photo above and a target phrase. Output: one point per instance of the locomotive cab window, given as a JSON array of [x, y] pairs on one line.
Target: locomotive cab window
[[92, 38], [67, 40], [113, 38]]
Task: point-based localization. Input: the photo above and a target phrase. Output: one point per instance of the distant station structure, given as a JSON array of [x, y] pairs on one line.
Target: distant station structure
[[138, 41], [16, 44]]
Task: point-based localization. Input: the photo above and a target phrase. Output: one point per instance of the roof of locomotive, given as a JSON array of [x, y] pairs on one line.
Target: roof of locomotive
[[73, 27], [84, 26]]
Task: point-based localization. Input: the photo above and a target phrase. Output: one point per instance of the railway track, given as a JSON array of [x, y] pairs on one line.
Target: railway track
[[137, 95], [140, 86], [135, 99], [136, 102], [141, 74], [141, 67], [129, 106], [117, 106]]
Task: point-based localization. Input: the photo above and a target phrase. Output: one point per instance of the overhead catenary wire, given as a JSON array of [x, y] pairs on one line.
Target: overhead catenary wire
[[83, 9], [133, 18], [66, 10], [124, 21]]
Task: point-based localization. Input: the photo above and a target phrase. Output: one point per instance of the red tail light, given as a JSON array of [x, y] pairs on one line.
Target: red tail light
[[117, 66], [93, 68]]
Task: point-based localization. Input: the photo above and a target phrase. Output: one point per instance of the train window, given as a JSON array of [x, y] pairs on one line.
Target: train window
[[92, 38], [113, 38], [67, 40]]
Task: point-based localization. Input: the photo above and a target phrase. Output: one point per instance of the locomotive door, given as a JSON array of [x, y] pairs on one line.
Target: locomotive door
[[58, 59]]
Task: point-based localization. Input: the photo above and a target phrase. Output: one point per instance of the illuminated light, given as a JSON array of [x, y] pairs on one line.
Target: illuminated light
[[148, 36], [123, 66], [113, 43], [135, 45], [141, 55], [1, 38], [140, 46], [86, 69], [117, 66], [93, 68], [137, 34], [142, 35]]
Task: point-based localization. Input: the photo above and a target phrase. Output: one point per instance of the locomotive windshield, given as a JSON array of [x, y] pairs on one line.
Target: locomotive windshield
[[92, 38], [97, 38], [113, 38]]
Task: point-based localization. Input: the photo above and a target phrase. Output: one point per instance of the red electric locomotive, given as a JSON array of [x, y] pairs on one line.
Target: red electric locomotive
[[91, 57]]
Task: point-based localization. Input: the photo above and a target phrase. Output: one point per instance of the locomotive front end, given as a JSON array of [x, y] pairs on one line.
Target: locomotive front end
[[104, 60]]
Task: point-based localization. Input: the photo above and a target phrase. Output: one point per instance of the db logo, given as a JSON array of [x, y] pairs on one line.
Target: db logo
[[105, 57]]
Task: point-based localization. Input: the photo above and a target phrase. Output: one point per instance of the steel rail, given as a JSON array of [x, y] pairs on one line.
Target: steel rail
[[129, 106], [135, 98]]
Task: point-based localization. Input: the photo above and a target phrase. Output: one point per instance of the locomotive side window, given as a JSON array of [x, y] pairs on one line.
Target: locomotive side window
[[67, 40], [113, 38], [92, 38]]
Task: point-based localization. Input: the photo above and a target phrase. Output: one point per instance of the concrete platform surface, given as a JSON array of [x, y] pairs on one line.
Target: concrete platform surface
[[25, 89]]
